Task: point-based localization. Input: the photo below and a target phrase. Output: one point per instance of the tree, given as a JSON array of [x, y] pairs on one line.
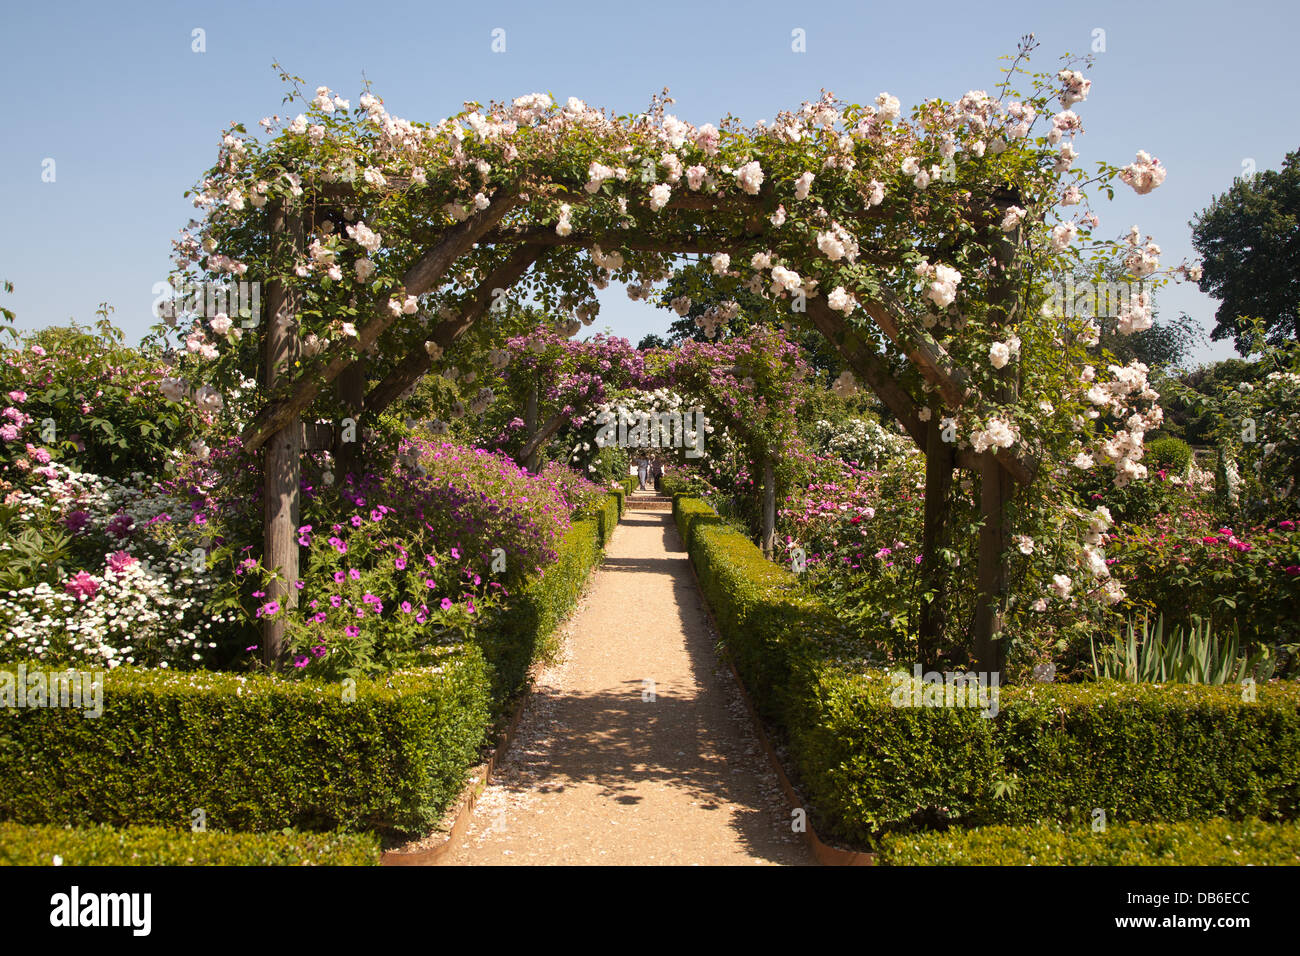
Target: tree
[[1249, 241]]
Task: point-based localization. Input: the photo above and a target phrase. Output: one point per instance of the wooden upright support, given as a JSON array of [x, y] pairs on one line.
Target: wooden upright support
[[281, 348]]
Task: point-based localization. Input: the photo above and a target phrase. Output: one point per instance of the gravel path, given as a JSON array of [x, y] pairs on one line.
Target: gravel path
[[609, 768]]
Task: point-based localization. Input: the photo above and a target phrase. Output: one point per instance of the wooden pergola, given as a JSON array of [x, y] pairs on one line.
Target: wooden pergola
[[693, 224]]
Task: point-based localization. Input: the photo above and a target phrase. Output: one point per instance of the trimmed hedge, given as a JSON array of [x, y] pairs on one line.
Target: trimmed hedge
[[1053, 752], [152, 846], [1168, 452], [607, 513], [255, 753], [1207, 843], [525, 630]]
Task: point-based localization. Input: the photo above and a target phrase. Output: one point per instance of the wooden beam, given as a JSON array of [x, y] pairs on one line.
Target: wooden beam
[[868, 366], [418, 279], [542, 436], [410, 369]]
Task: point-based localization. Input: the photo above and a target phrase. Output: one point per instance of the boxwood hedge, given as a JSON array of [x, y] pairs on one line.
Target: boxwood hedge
[[251, 752], [1200, 843], [1052, 752], [153, 846], [526, 629]]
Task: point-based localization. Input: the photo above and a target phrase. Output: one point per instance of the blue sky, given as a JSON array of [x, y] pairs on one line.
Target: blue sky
[[130, 114]]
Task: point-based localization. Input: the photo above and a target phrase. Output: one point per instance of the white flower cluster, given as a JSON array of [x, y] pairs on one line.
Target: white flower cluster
[[1135, 315], [1119, 397], [862, 442], [940, 283], [1144, 174], [717, 317], [147, 602], [997, 433]]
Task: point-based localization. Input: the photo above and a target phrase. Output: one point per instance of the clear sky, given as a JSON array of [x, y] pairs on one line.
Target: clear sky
[[130, 114]]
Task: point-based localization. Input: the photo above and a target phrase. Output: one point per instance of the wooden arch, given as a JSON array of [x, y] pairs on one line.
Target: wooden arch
[[686, 230]]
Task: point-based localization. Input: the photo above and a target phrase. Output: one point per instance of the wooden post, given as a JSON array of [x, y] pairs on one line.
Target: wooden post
[[989, 652], [768, 540], [281, 348], [939, 461], [351, 386]]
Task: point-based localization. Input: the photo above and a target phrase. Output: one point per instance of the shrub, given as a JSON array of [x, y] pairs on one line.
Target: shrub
[[153, 846], [105, 574], [1203, 843], [377, 595], [1185, 564], [254, 753], [102, 396], [1168, 454]]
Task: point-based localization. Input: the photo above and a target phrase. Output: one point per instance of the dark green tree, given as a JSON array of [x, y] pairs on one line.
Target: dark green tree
[[1249, 243]]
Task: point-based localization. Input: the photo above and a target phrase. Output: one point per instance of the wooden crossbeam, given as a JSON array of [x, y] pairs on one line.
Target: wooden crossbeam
[[418, 279], [414, 365]]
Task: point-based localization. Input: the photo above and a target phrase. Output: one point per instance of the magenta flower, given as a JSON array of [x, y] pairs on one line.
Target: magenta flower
[[119, 561], [76, 521], [351, 630], [446, 604], [400, 563], [319, 650], [354, 574], [356, 521], [339, 577], [335, 600], [301, 660], [406, 607], [82, 585], [269, 609]]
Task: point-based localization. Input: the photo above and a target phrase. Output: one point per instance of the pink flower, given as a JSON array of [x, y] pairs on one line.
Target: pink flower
[[82, 585], [119, 561], [18, 396], [446, 604], [301, 660]]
